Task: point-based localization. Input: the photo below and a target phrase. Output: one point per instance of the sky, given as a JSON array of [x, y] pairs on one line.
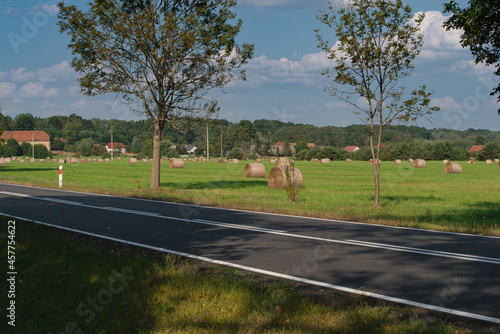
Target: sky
[[284, 80]]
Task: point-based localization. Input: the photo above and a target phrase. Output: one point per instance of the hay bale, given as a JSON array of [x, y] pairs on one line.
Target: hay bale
[[277, 178], [397, 162], [347, 160], [488, 162], [234, 161], [144, 160], [257, 160], [324, 161], [471, 162], [132, 161], [41, 160], [99, 161], [314, 159], [2, 161], [410, 160], [32, 160], [176, 163], [255, 170], [497, 160], [62, 161], [419, 163], [452, 168], [21, 161], [73, 161], [83, 161], [445, 161], [107, 160], [283, 162], [272, 161], [7, 160]]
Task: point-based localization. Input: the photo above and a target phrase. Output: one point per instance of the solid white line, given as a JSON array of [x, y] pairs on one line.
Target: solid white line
[[463, 257], [262, 213], [284, 276]]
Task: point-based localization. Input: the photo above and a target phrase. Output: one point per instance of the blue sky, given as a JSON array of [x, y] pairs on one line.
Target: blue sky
[[284, 77]]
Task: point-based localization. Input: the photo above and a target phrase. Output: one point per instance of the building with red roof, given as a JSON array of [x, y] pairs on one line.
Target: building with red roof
[[476, 148], [32, 137], [351, 149], [115, 147]]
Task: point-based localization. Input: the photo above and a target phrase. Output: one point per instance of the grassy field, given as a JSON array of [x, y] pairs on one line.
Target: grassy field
[[414, 197], [68, 283]]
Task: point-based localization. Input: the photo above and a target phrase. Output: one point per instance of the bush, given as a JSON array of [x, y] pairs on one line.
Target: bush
[[235, 153], [252, 156], [14, 146], [303, 155], [41, 152], [26, 149], [5, 151]]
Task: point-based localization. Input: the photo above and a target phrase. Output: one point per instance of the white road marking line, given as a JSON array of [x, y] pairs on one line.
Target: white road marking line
[[14, 194], [463, 257], [284, 276]]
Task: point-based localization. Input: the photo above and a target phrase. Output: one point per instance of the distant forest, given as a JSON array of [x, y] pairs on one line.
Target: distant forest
[[81, 135]]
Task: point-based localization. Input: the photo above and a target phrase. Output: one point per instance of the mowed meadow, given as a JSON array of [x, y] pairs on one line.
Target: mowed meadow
[[412, 197]]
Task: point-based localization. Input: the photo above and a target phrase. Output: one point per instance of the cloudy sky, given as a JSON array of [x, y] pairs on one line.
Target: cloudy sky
[[284, 77]]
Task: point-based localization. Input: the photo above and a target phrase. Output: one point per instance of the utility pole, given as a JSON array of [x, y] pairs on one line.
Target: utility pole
[[33, 145], [111, 143], [221, 150], [208, 149]]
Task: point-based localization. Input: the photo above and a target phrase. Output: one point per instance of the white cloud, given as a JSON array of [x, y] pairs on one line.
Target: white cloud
[[11, 11], [47, 104], [446, 103], [61, 72], [73, 90], [36, 89], [438, 41], [78, 104], [21, 75], [7, 90], [3, 75]]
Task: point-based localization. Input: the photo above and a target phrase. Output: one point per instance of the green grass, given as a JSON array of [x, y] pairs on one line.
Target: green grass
[[414, 197], [68, 283]]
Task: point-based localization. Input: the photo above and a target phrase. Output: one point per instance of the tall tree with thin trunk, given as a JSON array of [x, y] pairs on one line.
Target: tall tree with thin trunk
[[162, 57], [377, 43]]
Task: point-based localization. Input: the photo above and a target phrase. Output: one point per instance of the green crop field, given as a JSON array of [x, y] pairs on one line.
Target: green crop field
[[414, 197]]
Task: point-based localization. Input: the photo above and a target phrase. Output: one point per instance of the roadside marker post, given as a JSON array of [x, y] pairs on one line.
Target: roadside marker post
[[60, 176]]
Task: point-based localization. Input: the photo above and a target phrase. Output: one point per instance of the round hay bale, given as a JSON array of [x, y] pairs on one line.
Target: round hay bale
[[132, 161], [314, 159], [282, 162], [62, 161], [419, 163], [272, 161], [73, 161], [255, 170], [21, 161], [488, 162], [497, 160], [410, 160], [41, 160], [471, 162], [324, 161], [83, 161], [347, 160], [445, 161], [397, 162], [8, 160], [2, 161], [32, 160], [452, 168], [257, 160], [144, 160], [54, 160], [234, 161], [176, 163], [277, 178], [107, 160], [100, 161]]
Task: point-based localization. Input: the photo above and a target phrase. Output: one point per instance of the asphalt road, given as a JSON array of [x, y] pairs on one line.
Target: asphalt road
[[446, 272]]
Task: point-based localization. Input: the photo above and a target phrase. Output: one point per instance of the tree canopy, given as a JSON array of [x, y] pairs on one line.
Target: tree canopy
[[480, 22], [161, 56], [377, 43]]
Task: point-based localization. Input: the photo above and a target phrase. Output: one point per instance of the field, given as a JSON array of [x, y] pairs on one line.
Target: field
[[413, 197]]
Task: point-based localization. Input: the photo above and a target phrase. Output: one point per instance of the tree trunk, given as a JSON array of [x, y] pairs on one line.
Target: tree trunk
[[155, 173], [376, 173]]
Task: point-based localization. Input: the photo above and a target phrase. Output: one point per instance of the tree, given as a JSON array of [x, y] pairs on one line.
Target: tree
[[24, 122], [481, 31], [479, 140], [377, 42], [14, 146], [162, 56]]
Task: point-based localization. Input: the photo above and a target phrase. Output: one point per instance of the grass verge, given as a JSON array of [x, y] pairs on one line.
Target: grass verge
[[69, 283]]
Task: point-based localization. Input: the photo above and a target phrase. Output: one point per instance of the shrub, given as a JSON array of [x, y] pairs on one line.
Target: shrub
[[235, 153]]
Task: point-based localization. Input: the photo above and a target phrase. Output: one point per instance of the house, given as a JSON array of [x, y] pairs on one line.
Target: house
[[115, 147], [32, 137], [191, 149], [351, 149], [476, 148], [310, 145]]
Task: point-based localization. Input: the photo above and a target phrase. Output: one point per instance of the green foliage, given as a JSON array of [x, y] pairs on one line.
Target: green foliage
[[292, 190], [98, 150], [480, 31], [302, 155], [5, 151], [85, 147], [479, 140], [301, 145], [24, 122], [26, 149], [252, 156], [235, 153], [41, 152], [14, 146], [490, 151]]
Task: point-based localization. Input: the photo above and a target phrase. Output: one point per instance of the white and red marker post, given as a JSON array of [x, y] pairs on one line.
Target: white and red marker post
[[60, 176]]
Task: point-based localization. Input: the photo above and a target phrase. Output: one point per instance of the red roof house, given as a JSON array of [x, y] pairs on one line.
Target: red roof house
[[36, 137], [116, 147], [351, 149], [476, 148]]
